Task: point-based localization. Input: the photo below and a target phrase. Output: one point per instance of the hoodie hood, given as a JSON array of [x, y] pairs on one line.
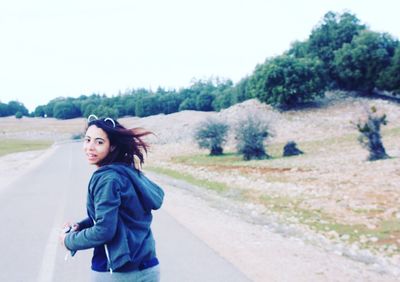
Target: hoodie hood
[[150, 194]]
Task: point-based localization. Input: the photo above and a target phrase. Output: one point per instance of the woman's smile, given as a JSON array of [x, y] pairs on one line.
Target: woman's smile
[[96, 145], [91, 157]]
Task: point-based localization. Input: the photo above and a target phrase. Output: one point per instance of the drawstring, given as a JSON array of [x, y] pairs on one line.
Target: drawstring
[[107, 253], [108, 257]]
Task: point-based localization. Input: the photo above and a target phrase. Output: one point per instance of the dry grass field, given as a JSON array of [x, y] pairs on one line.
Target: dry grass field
[[331, 190], [40, 128]]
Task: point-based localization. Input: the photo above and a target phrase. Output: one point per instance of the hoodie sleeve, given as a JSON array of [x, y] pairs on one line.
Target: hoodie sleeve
[[85, 223], [107, 200]]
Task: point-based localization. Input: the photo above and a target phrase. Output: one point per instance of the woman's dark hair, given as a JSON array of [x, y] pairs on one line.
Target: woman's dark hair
[[127, 143]]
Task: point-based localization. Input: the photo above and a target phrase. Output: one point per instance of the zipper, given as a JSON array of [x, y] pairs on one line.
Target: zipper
[[108, 257], [107, 253]]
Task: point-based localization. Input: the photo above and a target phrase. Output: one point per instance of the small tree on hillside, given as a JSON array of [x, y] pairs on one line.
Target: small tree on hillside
[[211, 134], [251, 133], [370, 137]]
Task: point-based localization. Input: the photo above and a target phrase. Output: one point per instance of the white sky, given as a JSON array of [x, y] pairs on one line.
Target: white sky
[[51, 48]]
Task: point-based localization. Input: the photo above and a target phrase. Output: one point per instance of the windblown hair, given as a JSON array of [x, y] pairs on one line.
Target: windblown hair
[[127, 143]]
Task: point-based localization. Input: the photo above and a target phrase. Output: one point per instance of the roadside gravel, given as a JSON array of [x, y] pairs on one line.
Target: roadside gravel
[[263, 251], [13, 166]]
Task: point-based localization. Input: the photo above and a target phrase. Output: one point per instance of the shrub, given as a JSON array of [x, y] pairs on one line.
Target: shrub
[[18, 115], [77, 136], [291, 149], [251, 133], [211, 134], [370, 137]]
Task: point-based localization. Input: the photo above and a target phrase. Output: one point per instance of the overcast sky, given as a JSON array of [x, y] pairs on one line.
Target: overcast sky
[[52, 48]]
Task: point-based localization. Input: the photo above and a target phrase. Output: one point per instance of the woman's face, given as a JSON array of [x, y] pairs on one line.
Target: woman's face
[[96, 145]]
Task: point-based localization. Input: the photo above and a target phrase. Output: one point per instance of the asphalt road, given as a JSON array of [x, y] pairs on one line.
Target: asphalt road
[[34, 207]]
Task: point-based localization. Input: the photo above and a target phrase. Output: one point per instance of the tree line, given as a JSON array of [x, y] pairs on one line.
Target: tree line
[[200, 96], [340, 53], [13, 108]]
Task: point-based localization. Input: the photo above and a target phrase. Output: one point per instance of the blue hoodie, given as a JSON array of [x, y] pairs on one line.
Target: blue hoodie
[[119, 204]]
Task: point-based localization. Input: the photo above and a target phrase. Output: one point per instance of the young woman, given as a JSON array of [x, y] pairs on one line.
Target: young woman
[[120, 201]]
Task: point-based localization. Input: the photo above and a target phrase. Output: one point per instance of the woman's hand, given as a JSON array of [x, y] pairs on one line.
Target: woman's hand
[[71, 227], [68, 227]]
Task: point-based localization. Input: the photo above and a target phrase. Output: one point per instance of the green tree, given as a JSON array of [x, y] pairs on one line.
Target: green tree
[[66, 110], [51, 105], [290, 82], [40, 111], [334, 30], [389, 78], [241, 91], [88, 106], [204, 101], [211, 134], [224, 99], [15, 106], [169, 102], [4, 111], [224, 95], [106, 111], [257, 81], [129, 101], [360, 63], [299, 49], [187, 104], [90, 109], [150, 106]]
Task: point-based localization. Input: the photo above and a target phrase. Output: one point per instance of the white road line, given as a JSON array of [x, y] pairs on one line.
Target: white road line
[[50, 252]]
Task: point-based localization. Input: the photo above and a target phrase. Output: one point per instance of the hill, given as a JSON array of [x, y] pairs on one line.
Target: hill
[[331, 190], [330, 196]]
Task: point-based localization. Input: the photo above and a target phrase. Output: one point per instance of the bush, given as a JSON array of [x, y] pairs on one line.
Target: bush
[[370, 137], [291, 149], [18, 115], [251, 133], [77, 136], [211, 135]]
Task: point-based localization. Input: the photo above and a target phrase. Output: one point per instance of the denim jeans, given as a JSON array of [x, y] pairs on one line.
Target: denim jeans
[[151, 274]]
